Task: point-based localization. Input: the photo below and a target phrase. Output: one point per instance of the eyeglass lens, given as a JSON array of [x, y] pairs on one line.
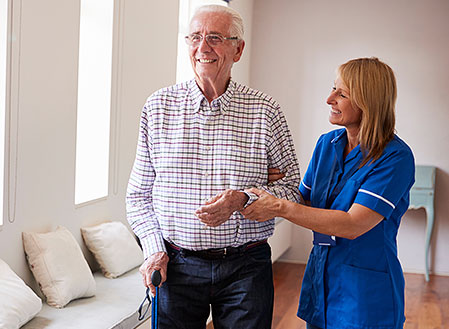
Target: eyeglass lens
[[211, 39]]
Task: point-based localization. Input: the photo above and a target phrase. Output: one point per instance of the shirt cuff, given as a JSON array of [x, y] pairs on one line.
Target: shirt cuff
[[251, 198], [152, 244]]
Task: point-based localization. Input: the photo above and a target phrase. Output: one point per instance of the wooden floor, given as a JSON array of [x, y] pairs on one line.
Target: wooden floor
[[427, 303]]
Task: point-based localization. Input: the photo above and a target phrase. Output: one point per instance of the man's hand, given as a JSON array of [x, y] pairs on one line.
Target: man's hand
[[157, 261], [217, 210]]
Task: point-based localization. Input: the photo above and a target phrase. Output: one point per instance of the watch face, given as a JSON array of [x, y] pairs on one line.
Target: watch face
[[251, 198]]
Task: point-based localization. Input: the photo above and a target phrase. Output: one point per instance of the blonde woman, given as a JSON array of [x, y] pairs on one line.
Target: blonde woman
[[357, 185]]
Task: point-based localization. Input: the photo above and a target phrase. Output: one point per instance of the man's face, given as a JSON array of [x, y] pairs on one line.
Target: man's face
[[214, 62]]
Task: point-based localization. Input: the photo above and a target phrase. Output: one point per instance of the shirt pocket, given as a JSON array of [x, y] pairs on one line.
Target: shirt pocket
[[367, 297]]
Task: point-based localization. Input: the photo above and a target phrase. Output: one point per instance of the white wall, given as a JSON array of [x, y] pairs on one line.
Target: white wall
[[46, 108], [296, 47], [291, 54], [45, 60]]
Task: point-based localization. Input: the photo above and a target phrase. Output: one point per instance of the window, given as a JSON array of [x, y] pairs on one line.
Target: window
[[3, 80], [186, 10], [94, 100]]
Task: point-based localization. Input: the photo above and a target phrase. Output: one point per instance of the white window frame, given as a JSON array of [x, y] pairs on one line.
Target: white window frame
[[5, 78], [92, 153]]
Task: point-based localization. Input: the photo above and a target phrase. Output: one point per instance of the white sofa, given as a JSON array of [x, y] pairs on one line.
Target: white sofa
[[114, 305], [116, 301], [74, 296]]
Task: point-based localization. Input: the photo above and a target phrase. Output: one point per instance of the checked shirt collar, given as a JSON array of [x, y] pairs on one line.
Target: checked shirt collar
[[199, 100]]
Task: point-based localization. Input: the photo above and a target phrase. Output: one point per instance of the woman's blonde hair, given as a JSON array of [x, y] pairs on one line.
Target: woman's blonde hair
[[372, 88]]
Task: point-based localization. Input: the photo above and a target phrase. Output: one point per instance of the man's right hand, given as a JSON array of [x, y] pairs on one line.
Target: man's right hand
[[157, 261]]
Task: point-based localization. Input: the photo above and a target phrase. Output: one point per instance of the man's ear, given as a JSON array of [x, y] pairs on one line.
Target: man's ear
[[239, 50]]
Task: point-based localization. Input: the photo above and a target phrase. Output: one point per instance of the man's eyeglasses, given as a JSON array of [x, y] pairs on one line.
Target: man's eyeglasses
[[211, 39]]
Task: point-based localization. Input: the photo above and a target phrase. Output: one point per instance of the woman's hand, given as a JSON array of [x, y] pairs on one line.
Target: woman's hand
[[264, 208], [274, 174]]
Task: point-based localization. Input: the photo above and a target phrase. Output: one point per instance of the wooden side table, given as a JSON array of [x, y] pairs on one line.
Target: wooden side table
[[422, 196]]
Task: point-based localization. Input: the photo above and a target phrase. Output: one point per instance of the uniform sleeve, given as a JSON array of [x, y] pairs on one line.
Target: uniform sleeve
[[139, 199], [306, 184], [388, 183], [305, 188], [282, 155]]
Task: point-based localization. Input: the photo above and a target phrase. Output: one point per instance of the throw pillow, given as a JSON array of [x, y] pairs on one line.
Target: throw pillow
[[18, 303], [114, 247], [58, 265]]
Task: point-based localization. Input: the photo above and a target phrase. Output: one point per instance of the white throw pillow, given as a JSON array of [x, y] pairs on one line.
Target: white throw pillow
[[114, 247], [18, 303], [58, 265]]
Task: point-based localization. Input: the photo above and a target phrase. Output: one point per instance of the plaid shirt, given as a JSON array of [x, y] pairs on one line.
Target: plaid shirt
[[189, 150]]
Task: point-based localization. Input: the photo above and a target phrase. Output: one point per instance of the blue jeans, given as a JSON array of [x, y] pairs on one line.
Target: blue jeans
[[239, 289], [311, 326]]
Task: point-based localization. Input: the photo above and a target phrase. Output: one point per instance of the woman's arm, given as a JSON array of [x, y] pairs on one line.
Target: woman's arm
[[350, 225], [303, 201]]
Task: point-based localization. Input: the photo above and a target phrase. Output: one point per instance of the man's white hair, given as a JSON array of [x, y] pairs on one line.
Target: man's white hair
[[236, 28]]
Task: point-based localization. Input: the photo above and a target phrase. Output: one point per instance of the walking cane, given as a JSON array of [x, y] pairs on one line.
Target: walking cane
[[155, 280]]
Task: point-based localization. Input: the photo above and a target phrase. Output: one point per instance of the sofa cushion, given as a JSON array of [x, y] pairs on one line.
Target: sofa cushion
[[58, 265], [114, 247], [114, 306], [18, 303]]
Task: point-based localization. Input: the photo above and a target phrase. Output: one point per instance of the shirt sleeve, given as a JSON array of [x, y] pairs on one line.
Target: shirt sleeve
[[139, 199], [387, 183], [282, 155]]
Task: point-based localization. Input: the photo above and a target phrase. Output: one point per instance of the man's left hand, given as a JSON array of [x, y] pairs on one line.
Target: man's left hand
[[217, 210]]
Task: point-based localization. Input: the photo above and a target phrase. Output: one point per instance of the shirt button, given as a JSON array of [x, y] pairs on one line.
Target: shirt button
[[208, 148], [205, 174]]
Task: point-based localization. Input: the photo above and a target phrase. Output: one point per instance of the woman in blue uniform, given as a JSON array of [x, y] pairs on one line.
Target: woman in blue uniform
[[357, 186]]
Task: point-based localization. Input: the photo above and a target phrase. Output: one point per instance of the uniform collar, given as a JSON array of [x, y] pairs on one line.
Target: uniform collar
[[341, 136], [339, 143], [221, 103]]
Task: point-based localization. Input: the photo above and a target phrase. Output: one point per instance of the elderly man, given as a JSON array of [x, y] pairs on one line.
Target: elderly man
[[201, 143]]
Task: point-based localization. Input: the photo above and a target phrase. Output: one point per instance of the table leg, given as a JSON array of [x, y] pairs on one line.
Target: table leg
[[429, 228]]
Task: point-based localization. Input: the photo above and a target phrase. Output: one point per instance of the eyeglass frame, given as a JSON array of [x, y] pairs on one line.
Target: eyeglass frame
[[190, 43]]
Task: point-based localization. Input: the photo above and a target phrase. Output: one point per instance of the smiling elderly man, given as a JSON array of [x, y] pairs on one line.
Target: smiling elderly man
[[201, 143]]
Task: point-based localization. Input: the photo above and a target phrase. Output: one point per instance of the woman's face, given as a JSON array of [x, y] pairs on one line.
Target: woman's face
[[342, 112]]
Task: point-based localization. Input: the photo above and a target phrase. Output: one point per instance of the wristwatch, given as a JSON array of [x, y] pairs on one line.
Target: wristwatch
[[251, 198]]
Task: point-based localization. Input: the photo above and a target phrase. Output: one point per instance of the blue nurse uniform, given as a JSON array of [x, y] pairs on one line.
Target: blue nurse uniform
[[357, 283]]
